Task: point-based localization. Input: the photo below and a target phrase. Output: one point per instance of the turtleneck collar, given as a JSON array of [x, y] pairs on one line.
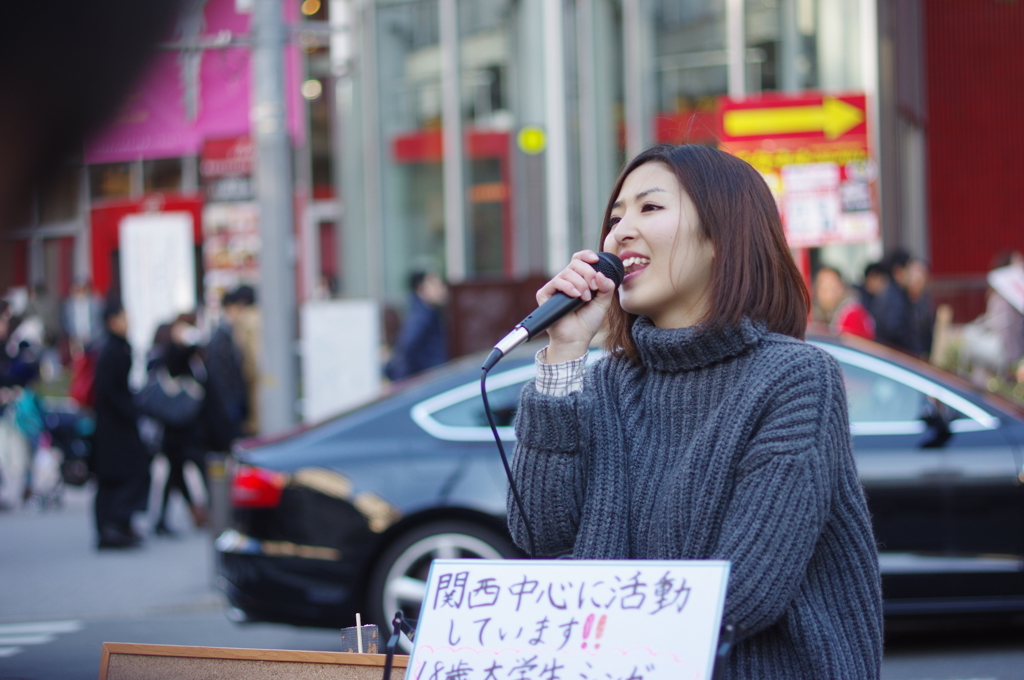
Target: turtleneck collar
[[683, 349]]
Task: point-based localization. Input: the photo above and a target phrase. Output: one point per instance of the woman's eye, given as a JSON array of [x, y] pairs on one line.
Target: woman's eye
[[612, 221], [649, 207]]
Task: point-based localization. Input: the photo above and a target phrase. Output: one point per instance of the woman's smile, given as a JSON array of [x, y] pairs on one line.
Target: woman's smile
[[633, 263]]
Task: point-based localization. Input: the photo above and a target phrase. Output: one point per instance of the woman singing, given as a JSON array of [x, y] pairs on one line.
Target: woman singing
[[710, 430]]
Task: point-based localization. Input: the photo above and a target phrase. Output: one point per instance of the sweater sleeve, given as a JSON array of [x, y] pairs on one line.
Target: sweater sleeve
[[783, 492], [549, 470]]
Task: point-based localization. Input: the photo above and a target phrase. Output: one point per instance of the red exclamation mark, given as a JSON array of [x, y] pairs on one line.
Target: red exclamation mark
[[586, 629], [600, 630]]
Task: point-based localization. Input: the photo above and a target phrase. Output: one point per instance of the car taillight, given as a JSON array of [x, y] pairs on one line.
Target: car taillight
[[255, 487]]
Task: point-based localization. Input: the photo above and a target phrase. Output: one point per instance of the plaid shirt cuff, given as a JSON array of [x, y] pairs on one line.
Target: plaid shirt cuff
[[559, 380]]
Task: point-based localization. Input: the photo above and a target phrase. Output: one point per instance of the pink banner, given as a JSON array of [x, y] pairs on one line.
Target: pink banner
[[190, 96]]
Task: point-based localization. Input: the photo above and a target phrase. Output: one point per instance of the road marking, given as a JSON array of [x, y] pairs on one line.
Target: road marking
[[26, 639], [14, 635], [40, 627]]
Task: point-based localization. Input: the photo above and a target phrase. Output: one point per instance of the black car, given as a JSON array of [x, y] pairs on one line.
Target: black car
[[346, 516]]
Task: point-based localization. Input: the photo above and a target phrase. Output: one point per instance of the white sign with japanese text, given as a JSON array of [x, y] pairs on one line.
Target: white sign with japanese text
[[158, 277], [569, 620]]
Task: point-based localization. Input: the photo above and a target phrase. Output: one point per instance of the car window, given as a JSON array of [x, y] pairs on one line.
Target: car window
[[470, 412], [874, 398]]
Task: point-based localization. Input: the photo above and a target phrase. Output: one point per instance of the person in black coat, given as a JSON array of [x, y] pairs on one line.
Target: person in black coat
[[120, 460], [224, 363], [421, 342], [210, 430], [892, 309]]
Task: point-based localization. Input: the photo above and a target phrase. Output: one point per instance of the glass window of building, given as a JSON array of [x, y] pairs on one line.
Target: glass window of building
[[110, 180], [314, 89], [487, 120], [690, 66], [784, 32], [409, 106], [162, 174], [804, 44]]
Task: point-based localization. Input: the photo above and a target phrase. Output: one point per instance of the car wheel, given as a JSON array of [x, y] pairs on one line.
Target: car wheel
[[399, 579]]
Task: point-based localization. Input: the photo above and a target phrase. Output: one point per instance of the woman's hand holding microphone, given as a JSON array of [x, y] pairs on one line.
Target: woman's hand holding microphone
[[570, 337]]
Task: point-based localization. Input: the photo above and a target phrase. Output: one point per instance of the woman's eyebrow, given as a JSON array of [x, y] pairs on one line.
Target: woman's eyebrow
[[645, 192]]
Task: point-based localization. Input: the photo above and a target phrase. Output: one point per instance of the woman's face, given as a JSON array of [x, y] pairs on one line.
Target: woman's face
[[655, 231]]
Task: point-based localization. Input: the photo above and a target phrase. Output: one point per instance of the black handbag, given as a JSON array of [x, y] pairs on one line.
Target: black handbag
[[172, 401]]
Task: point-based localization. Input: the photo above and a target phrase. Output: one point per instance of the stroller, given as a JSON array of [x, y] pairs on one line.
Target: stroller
[[61, 441]]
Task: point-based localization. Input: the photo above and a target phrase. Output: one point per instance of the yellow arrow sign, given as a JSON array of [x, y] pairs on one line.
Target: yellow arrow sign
[[833, 117]]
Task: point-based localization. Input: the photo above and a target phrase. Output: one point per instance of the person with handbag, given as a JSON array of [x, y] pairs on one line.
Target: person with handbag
[[181, 396], [119, 457], [174, 396]]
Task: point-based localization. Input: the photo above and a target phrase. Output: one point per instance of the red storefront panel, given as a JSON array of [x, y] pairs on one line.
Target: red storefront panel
[[975, 90]]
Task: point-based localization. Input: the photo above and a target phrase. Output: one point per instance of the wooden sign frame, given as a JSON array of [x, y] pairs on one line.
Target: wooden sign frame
[[157, 662]]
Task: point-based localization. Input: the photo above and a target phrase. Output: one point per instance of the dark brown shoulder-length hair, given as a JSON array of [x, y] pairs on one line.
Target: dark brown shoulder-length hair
[[753, 274]]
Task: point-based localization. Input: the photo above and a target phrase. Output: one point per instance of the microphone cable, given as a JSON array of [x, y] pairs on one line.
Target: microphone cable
[[548, 313], [504, 461]]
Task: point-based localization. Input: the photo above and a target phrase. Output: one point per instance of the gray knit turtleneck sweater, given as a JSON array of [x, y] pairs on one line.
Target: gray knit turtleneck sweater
[[731, 445]]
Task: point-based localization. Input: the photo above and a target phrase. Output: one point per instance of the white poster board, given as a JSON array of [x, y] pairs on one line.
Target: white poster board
[[811, 203], [569, 620], [340, 356], [158, 276]]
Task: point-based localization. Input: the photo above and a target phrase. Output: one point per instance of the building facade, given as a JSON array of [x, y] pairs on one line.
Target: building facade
[[479, 138]]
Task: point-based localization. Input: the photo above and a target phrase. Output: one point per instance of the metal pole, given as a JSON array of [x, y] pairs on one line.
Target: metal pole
[[736, 47], [277, 364], [632, 47], [372, 229], [589, 143], [789, 59], [557, 146], [451, 133], [869, 78]]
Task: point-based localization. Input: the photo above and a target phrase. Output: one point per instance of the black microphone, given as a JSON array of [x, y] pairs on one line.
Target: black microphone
[[551, 311]]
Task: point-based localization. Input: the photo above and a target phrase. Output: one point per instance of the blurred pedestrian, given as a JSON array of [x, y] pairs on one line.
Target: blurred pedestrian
[[838, 307], [224, 361], [178, 358], [246, 332], [876, 280], [120, 459], [14, 449], [81, 316], [922, 313], [891, 309], [422, 341], [188, 438]]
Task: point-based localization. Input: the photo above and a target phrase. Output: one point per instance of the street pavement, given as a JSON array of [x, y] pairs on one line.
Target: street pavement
[[61, 599]]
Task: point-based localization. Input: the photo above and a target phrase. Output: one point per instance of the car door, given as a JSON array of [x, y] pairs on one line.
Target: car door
[[945, 495], [907, 485], [987, 520]]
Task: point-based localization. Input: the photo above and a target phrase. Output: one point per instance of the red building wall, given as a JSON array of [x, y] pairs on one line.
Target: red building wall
[[975, 91]]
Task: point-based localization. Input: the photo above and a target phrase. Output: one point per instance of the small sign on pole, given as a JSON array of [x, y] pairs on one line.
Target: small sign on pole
[[569, 620]]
